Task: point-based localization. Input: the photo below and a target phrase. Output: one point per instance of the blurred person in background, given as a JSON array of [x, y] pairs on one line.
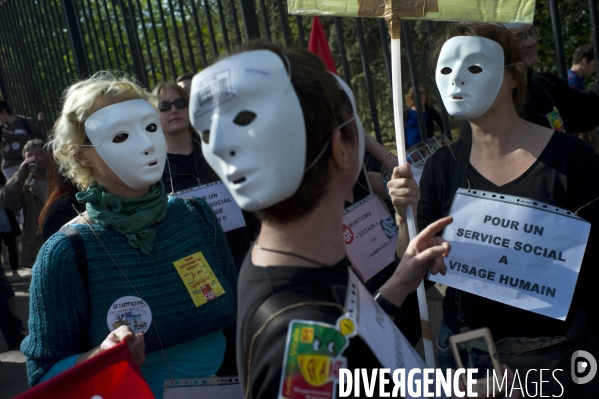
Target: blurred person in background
[[410, 117], [15, 131], [583, 66]]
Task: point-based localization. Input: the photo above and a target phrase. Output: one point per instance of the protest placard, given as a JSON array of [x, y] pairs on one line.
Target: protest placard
[[221, 202], [370, 235], [515, 250], [418, 154]]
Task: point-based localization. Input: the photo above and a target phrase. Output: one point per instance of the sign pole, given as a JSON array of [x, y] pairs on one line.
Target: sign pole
[[394, 29]]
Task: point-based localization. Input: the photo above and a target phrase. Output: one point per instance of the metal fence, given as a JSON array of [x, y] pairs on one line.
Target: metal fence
[[47, 44]]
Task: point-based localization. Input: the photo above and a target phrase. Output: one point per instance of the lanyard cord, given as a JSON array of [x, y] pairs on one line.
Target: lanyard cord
[[132, 286]]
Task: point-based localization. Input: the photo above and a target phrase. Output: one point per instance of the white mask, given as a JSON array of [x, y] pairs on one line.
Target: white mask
[[252, 127], [129, 139], [360, 128], [469, 75]]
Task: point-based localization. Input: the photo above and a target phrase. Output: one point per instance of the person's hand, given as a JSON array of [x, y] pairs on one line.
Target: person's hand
[[403, 189], [135, 341], [26, 162], [425, 252], [136, 344]]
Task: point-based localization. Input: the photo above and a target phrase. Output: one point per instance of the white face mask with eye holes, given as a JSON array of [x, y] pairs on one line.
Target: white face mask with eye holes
[[129, 139], [252, 127], [469, 75]]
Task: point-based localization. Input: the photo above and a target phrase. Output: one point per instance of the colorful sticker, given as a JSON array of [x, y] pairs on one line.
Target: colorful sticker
[[555, 120], [199, 279], [130, 311], [312, 360]]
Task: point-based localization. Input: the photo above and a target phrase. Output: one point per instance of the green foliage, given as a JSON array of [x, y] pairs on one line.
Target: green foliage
[[177, 36]]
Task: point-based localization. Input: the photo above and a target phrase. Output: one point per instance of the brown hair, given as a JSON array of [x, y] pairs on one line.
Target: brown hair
[[160, 87], [5, 106], [409, 100], [32, 144], [58, 187], [322, 104], [185, 76], [499, 34], [582, 52]]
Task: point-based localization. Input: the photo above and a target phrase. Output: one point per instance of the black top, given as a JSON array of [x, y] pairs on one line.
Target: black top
[[60, 213], [186, 171], [256, 285], [578, 108], [564, 175]]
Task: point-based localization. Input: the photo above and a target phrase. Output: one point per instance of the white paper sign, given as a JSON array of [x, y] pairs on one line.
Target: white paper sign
[[220, 200], [203, 388], [381, 335], [515, 251], [370, 236]]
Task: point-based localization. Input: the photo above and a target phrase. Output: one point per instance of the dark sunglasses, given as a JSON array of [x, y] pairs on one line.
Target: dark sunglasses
[[179, 103]]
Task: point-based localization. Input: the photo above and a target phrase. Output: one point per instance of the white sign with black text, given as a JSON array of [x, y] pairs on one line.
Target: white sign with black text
[[220, 200], [515, 251]]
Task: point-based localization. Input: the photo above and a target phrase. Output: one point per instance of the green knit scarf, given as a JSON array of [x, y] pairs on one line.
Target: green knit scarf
[[132, 217]]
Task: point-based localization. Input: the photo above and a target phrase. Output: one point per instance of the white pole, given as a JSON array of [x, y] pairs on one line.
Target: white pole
[[401, 155]]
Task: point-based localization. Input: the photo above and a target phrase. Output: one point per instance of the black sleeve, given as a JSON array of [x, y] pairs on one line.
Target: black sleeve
[[584, 194], [430, 205], [578, 108], [436, 117]]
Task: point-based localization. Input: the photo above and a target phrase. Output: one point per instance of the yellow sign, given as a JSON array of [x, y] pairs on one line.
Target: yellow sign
[[503, 11], [199, 279]]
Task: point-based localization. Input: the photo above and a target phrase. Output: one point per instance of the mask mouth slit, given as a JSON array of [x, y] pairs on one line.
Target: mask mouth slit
[[456, 98], [153, 163], [239, 181]]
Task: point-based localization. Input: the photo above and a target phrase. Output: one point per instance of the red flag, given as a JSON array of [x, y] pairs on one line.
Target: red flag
[[320, 46], [111, 374]]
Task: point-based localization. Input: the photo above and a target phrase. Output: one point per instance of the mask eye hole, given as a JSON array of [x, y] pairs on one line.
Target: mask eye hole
[[244, 118], [120, 138], [446, 71], [206, 136], [475, 69], [152, 127]]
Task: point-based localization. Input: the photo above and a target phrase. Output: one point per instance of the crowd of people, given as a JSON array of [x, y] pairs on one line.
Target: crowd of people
[[113, 225]]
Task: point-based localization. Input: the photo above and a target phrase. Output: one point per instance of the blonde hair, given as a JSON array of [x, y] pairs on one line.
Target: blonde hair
[[80, 101]]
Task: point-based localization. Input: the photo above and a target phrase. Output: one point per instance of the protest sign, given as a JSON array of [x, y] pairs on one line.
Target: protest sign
[[418, 154], [515, 251], [221, 202], [370, 236], [203, 388], [520, 11], [112, 374]]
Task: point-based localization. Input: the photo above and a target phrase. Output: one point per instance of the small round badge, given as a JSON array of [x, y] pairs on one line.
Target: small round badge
[[15, 146], [130, 311]]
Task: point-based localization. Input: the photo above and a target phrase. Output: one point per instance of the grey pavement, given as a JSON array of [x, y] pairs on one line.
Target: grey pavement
[[13, 377]]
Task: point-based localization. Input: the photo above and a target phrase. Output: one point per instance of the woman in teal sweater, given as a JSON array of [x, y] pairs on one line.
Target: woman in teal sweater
[[159, 273]]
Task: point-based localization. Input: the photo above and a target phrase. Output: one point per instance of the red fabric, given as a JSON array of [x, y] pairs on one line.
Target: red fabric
[[320, 46], [111, 374]]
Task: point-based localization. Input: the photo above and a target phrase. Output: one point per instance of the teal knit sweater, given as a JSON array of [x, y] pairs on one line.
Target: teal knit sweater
[[68, 318]]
